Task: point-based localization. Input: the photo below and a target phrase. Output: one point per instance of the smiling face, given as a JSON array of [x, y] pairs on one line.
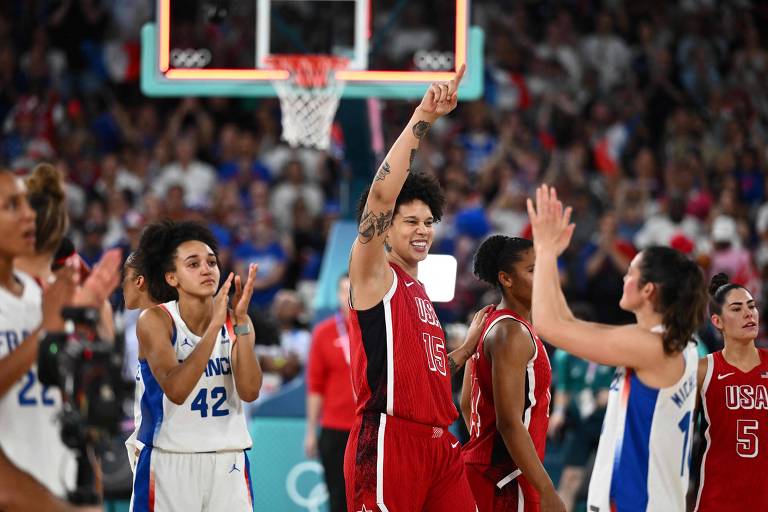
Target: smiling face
[[196, 270], [739, 319], [412, 231], [17, 218]]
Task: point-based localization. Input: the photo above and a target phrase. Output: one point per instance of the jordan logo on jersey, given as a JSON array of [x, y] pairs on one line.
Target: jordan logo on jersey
[[186, 343], [426, 312], [746, 397]]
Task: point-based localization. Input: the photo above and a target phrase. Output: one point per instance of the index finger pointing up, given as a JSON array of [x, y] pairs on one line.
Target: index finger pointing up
[[453, 85]]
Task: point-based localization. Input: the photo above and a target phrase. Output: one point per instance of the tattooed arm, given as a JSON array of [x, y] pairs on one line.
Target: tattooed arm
[[369, 273]]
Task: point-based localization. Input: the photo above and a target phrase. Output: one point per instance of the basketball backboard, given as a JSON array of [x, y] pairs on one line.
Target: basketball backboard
[[395, 47]]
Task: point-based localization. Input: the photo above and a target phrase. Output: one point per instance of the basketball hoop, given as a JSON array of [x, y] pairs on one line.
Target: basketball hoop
[[309, 97]]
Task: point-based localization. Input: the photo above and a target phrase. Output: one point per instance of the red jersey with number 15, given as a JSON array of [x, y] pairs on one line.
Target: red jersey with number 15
[[398, 356], [486, 446], [735, 463]]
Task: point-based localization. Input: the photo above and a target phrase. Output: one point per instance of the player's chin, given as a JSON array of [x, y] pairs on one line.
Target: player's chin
[[419, 254], [204, 291]]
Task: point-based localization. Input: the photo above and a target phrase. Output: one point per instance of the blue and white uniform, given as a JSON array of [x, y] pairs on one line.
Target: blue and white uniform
[[643, 459], [30, 432], [193, 455]]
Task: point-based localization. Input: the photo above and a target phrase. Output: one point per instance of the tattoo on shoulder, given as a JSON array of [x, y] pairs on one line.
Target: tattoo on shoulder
[[420, 129], [383, 171], [373, 224], [452, 365]]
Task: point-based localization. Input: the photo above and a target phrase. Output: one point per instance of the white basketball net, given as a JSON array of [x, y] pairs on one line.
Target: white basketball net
[[308, 98]]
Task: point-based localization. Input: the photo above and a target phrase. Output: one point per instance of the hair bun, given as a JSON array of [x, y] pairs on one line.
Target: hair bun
[[717, 281], [486, 259], [46, 180]]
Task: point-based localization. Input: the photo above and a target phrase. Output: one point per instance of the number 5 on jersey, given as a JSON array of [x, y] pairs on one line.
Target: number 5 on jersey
[[746, 438]]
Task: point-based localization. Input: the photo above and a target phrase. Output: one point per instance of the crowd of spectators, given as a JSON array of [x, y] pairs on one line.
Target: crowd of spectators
[[650, 118]]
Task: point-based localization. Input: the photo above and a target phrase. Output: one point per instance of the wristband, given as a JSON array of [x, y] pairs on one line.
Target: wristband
[[242, 329]]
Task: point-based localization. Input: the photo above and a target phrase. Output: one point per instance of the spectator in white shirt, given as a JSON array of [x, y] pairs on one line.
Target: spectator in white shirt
[[197, 178]]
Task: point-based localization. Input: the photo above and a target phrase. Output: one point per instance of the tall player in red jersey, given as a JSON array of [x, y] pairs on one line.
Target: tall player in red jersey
[[400, 456], [505, 398], [733, 387]]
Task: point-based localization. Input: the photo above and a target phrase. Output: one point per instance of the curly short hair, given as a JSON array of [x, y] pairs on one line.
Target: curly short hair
[[499, 253], [157, 248], [418, 185]]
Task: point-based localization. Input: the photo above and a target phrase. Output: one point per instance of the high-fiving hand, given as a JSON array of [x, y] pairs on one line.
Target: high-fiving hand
[[442, 97], [552, 227]]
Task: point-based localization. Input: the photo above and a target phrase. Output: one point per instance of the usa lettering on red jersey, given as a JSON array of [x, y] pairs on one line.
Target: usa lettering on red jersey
[[398, 356], [735, 460]]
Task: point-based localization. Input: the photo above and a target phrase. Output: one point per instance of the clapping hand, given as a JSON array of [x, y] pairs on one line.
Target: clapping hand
[[243, 294]]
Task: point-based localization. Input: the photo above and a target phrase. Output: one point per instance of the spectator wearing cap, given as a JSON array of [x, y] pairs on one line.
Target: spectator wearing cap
[[730, 256]]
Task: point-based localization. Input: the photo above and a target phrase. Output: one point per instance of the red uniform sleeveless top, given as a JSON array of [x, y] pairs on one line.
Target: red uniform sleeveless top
[[486, 446], [398, 356], [735, 463]]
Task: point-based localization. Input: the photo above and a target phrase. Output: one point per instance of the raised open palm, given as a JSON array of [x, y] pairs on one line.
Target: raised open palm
[[552, 227], [243, 294]]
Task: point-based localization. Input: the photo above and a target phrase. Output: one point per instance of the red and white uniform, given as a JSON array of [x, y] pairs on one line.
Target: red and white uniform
[[400, 455], [735, 463], [495, 478]]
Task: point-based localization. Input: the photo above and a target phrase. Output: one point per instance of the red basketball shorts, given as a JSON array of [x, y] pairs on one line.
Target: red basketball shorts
[[395, 465]]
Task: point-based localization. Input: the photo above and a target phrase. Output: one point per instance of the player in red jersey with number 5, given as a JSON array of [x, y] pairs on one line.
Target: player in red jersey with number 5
[[505, 398], [733, 387], [400, 456]]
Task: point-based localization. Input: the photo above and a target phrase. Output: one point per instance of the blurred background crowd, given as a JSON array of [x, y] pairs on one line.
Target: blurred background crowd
[[650, 117]]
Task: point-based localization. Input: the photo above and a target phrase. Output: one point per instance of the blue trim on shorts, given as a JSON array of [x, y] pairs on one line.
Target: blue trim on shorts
[[141, 482], [248, 476]]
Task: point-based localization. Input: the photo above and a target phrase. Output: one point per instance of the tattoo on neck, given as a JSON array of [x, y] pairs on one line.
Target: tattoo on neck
[[372, 223], [452, 365], [383, 171], [420, 129]]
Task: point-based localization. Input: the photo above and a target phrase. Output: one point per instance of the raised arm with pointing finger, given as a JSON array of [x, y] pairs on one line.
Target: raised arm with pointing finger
[[401, 372], [369, 269]]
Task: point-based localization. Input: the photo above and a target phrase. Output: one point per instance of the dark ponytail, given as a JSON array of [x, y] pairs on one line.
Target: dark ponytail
[[719, 288], [681, 297], [498, 253]]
